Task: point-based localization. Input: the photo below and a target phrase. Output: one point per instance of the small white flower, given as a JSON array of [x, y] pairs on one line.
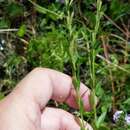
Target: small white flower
[[127, 119], [1, 48], [117, 115], [3, 41], [1, 44]]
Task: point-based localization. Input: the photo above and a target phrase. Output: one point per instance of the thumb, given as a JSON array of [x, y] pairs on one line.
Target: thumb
[[58, 119]]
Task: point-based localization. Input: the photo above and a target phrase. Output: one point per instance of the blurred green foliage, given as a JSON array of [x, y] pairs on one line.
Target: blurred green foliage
[[49, 50], [86, 39]]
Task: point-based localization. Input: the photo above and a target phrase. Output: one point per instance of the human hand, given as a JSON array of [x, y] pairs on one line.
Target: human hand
[[24, 108]]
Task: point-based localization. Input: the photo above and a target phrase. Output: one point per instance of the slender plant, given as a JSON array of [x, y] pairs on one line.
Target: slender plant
[[94, 53], [74, 56], [92, 49]]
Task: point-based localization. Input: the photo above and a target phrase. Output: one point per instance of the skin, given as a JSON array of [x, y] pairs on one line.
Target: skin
[[25, 108]]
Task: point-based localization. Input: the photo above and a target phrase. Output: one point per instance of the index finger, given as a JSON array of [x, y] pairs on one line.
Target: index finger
[[43, 84]]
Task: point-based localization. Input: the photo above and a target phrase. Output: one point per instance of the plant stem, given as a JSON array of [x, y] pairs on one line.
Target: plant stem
[[110, 72], [94, 37], [74, 59]]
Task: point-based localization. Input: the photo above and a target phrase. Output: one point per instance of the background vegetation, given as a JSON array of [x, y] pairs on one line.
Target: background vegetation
[[87, 39]]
